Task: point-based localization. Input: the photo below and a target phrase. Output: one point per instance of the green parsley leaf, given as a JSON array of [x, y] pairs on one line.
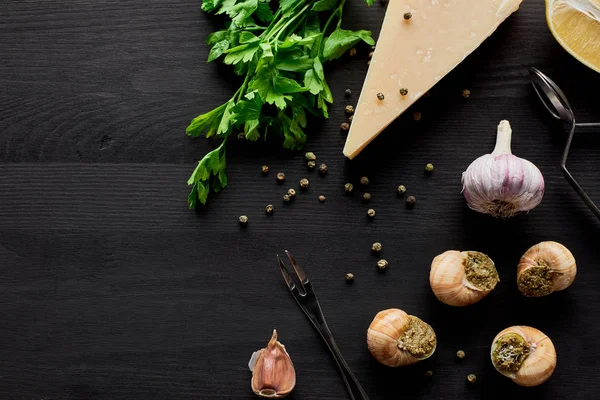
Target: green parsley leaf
[[312, 82], [319, 69], [216, 37], [247, 37], [251, 129], [246, 110], [263, 12], [208, 122], [241, 53], [295, 40], [325, 5], [218, 49], [293, 61], [223, 5], [227, 120], [277, 98], [288, 6], [342, 40], [210, 172], [210, 5], [285, 85]]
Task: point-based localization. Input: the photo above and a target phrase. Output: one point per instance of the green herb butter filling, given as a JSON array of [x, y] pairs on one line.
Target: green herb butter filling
[[419, 339], [509, 353], [537, 281], [480, 271]]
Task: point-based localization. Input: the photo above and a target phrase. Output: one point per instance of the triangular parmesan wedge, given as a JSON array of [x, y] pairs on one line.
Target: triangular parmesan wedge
[[416, 53]]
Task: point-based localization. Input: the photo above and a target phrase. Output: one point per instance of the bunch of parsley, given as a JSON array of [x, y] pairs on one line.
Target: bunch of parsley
[[279, 49]]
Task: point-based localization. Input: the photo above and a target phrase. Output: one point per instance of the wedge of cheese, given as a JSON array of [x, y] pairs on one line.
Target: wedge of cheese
[[417, 52]]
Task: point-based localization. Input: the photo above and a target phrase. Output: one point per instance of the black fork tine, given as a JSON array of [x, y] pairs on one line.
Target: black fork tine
[[286, 276], [299, 271]]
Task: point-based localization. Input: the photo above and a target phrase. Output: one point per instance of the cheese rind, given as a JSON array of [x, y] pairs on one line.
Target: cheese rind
[[417, 53]]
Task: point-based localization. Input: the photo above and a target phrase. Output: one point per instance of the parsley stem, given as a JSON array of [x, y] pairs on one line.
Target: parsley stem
[[242, 89], [289, 22], [338, 12], [273, 21]]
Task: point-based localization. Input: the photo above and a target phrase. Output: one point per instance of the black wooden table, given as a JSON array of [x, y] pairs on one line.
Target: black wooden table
[[111, 289]]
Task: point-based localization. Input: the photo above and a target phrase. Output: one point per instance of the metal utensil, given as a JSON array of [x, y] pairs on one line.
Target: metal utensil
[[307, 300], [557, 104]]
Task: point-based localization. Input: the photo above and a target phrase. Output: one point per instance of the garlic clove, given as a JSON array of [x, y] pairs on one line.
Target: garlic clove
[[545, 268], [502, 184], [273, 374], [462, 278], [396, 339], [524, 354]]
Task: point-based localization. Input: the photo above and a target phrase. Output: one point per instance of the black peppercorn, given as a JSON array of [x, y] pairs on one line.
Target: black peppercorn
[[322, 199], [243, 220], [265, 169], [304, 183], [286, 198], [411, 201], [348, 93], [310, 156], [311, 165], [366, 197], [380, 96], [401, 189], [348, 187], [364, 180], [403, 91], [407, 15], [322, 169], [269, 209], [280, 177], [345, 126], [349, 109], [292, 193], [371, 213]]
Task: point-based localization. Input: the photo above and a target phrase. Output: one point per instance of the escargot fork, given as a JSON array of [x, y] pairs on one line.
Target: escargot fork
[[306, 298], [557, 104]]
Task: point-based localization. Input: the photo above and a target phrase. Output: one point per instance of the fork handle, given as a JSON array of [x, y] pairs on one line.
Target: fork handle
[[354, 387]]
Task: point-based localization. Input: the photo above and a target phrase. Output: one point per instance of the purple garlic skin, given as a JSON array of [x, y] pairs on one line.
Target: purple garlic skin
[[502, 184]]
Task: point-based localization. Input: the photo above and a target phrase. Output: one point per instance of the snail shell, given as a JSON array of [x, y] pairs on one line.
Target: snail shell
[[396, 339], [524, 354], [545, 268], [462, 278]]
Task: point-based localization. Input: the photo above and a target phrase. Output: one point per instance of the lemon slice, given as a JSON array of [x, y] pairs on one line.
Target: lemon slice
[[576, 26]]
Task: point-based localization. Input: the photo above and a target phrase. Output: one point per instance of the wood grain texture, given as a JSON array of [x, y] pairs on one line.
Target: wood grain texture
[[112, 289]]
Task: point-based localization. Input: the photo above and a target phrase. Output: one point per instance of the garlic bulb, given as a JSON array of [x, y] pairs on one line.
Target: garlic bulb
[[273, 374], [395, 338], [502, 184], [524, 354], [462, 278], [545, 268]]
